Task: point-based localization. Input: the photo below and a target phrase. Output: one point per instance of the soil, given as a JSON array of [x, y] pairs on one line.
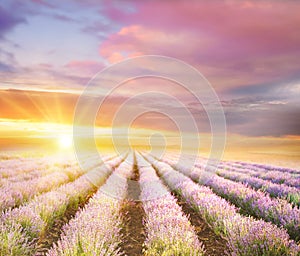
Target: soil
[[133, 232], [133, 190], [52, 235], [136, 173], [214, 244]]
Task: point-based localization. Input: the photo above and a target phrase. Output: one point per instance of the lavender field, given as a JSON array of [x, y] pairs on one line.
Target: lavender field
[[136, 204]]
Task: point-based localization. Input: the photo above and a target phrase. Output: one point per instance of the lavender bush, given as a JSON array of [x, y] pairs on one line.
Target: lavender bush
[[245, 235], [169, 231], [288, 193], [95, 230], [278, 177], [252, 202], [15, 194], [38, 215]]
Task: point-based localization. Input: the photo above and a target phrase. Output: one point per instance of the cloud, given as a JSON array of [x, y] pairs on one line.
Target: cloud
[[265, 27], [87, 67], [5, 68], [254, 116], [8, 63], [34, 106], [232, 43], [271, 120], [43, 3], [245, 116], [258, 117], [74, 75], [8, 20], [64, 18], [287, 89], [248, 50]]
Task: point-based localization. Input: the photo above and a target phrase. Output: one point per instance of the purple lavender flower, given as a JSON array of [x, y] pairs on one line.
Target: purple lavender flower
[[95, 230], [168, 229], [245, 235]]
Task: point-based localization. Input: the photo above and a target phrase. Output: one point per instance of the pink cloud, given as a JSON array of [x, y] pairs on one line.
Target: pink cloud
[[263, 21], [248, 41], [137, 40], [88, 67], [45, 65]]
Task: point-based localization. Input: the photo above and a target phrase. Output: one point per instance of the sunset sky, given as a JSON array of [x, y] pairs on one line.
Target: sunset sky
[[248, 50]]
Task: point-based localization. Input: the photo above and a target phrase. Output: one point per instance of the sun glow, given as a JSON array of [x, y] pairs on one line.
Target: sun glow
[[65, 141]]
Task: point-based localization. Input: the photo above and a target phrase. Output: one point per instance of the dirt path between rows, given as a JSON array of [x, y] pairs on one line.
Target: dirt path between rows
[[214, 245], [133, 232], [52, 235]]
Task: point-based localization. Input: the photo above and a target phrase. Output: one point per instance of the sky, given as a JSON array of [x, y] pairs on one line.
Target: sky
[[249, 51]]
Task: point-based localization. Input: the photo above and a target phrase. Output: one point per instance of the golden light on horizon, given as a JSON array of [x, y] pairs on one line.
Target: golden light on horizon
[[58, 137]]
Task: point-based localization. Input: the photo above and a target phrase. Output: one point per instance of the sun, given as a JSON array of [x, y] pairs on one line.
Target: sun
[[65, 141]]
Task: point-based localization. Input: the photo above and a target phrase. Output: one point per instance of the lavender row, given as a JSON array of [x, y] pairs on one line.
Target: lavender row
[[291, 194], [14, 194], [288, 193], [13, 168], [273, 173], [30, 174], [23, 168], [265, 173], [27, 170], [255, 203], [273, 176], [169, 231], [267, 167], [30, 222], [95, 230], [245, 235]]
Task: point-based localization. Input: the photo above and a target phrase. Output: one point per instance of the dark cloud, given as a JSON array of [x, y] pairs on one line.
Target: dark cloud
[[6, 68], [254, 116], [271, 90], [273, 120], [258, 117], [8, 63], [8, 20], [43, 3], [249, 116], [64, 18]]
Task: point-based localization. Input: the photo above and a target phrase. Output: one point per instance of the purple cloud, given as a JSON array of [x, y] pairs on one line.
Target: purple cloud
[[8, 21]]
